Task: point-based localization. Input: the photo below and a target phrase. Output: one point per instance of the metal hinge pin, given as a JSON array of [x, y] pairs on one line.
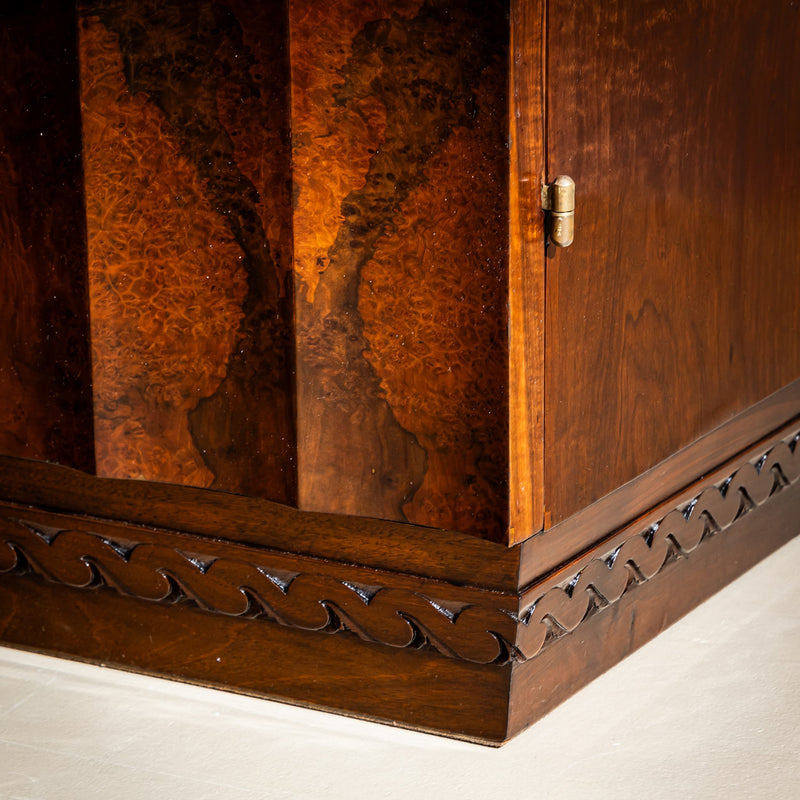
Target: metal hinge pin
[[558, 200]]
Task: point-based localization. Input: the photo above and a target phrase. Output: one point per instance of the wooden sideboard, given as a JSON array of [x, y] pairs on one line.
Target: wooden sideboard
[[299, 398]]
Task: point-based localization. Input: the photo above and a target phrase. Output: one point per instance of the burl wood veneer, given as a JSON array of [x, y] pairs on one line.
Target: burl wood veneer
[[297, 400], [188, 218], [399, 120]]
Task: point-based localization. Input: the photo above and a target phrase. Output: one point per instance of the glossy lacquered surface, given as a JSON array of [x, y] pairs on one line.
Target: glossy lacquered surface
[[401, 243], [291, 324], [301, 257], [186, 156], [676, 307], [287, 246]]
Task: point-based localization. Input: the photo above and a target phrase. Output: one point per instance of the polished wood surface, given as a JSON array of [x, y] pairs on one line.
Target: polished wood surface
[[400, 166], [336, 373], [45, 363], [316, 265], [676, 308], [610, 634], [765, 421], [414, 688], [429, 654], [186, 157], [378, 544], [382, 225], [526, 268]]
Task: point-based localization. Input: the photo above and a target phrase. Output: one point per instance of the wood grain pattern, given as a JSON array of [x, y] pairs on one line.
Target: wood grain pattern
[[383, 545], [526, 287], [574, 631], [188, 215], [376, 239], [391, 610], [412, 688], [420, 328], [677, 306], [399, 117], [45, 366], [699, 461]]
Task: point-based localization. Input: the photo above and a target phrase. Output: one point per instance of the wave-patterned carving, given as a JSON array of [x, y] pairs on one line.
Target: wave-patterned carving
[[387, 615], [604, 580], [489, 633]]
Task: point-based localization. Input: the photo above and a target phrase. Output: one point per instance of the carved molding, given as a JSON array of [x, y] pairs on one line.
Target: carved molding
[[388, 615], [382, 614], [604, 580]]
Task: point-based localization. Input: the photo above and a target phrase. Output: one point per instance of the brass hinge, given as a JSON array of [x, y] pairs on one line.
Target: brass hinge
[[558, 200]]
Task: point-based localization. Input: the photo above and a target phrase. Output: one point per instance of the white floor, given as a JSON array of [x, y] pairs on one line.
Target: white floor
[[711, 709]]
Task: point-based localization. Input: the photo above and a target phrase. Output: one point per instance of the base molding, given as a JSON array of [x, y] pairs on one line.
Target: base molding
[[605, 638], [428, 653]]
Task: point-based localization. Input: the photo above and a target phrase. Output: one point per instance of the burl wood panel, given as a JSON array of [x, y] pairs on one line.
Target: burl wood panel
[[400, 164], [678, 305], [185, 124], [45, 367]]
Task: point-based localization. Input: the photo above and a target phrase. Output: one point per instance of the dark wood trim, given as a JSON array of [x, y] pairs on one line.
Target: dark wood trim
[[641, 551], [223, 578], [418, 689], [429, 654], [607, 636], [379, 544], [548, 549]]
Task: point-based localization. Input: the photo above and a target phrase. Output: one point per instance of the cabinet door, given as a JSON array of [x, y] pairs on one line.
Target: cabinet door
[[677, 306]]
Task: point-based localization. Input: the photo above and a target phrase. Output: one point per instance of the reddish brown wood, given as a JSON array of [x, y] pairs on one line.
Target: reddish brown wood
[[45, 367], [547, 550], [216, 610], [391, 546], [400, 166], [676, 308], [412, 688], [185, 122], [610, 634], [655, 426], [526, 271]]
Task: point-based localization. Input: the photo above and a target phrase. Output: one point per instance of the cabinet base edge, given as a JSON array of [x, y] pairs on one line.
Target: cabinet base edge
[[461, 661]]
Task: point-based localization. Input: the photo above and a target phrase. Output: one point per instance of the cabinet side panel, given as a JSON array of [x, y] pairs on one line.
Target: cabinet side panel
[[400, 165], [526, 270], [45, 369], [677, 306], [185, 109]]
